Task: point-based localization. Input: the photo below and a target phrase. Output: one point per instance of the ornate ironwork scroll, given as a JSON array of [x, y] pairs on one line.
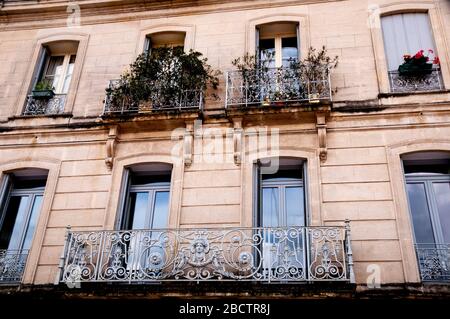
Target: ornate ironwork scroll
[[274, 86], [247, 254], [12, 265]]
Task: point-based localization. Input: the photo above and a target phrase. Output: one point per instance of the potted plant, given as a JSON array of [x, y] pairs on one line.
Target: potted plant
[[165, 78], [313, 72], [43, 90], [255, 78], [418, 64]]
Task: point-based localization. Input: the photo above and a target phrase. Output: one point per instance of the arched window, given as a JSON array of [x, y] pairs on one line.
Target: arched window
[[278, 43], [146, 196], [21, 196], [52, 78], [427, 176], [164, 39]]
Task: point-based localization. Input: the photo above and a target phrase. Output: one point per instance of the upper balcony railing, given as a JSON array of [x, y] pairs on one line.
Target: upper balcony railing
[[277, 86], [12, 265], [237, 254], [38, 105], [123, 103], [419, 83], [434, 262]]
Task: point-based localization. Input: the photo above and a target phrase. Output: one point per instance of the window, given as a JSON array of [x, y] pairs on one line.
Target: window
[[52, 78], [58, 72], [22, 195], [169, 39], [147, 199], [56, 65], [427, 178], [403, 34], [145, 213], [278, 43], [282, 205]]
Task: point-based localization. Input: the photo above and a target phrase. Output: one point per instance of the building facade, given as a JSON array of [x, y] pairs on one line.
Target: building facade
[[347, 181]]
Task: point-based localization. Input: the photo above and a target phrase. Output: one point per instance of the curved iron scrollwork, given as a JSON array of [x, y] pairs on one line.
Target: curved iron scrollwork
[[250, 254], [434, 261], [273, 86], [45, 106], [123, 103], [425, 82], [12, 265]]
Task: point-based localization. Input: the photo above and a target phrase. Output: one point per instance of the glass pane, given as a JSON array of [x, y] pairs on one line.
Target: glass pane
[[54, 70], [442, 193], [420, 213], [161, 212], [289, 50], [68, 76], [139, 210], [267, 52], [32, 222], [20, 211], [294, 206], [271, 204]]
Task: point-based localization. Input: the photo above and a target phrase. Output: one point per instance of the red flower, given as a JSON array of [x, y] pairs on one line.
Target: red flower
[[430, 51], [436, 60], [419, 54]]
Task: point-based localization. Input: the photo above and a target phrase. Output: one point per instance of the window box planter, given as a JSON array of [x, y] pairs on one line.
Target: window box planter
[[412, 69], [43, 94]]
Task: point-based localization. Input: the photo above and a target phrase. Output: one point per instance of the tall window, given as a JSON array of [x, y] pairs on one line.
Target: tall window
[[427, 178], [22, 194], [281, 198], [52, 78], [407, 34], [56, 64], [278, 43], [147, 199], [169, 39]]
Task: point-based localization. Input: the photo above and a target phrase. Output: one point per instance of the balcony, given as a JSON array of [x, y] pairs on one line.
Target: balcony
[[118, 102], [282, 254], [411, 84], [12, 265], [45, 106], [277, 87], [434, 262]]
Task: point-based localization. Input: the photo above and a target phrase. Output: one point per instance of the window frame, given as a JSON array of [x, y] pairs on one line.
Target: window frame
[[151, 189], [278, 42], [33, 193], [59, 89], [438, 32], [259, 184], [39, 50], [428, 180]]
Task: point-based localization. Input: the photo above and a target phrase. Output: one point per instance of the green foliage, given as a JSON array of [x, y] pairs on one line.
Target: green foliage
[[162, 76], [44, 85], [286, 83]]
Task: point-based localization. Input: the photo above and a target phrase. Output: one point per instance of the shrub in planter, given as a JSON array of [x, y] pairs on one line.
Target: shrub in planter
[[162, 78], [43, 90]]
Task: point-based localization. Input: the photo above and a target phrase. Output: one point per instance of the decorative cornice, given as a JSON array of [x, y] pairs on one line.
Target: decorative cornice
[[54, 13]]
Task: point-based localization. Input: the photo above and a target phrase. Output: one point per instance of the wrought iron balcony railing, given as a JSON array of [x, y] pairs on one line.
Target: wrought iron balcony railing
[[277, 86], [420, 83], [12, 265], [45, 106], [434, 262], [122, 103], [241, 254]]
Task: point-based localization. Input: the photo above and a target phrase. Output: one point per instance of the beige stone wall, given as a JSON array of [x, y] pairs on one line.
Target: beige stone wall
[[221, 35], [360, 180]]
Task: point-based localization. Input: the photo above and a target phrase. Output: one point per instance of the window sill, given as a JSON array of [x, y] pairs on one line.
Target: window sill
[[21, 117], [395, 94]]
